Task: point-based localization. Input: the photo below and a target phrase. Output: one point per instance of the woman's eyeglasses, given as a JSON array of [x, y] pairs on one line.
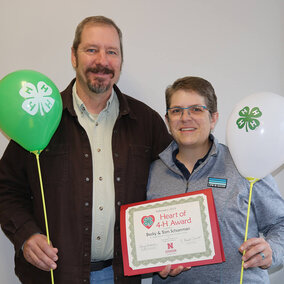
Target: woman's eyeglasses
[[177, 112]]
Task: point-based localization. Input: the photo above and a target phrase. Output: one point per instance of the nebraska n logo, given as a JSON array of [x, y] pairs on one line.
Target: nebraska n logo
[[170, 245]]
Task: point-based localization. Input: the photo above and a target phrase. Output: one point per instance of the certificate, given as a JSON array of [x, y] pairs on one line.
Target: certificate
[[181, 229]]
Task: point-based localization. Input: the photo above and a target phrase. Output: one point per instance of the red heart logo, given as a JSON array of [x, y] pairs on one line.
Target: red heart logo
[[148, 221]]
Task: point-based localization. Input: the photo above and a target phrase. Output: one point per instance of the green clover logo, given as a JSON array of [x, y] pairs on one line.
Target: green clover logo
[[248, 118], [148, 221]]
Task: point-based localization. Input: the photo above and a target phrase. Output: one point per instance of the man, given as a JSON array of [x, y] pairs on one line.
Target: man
[[97, 160]]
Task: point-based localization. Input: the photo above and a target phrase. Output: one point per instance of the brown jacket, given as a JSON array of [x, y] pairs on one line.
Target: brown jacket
[[139, 135]]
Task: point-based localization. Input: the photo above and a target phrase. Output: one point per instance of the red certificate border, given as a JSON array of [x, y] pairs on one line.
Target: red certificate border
[[217, 241]]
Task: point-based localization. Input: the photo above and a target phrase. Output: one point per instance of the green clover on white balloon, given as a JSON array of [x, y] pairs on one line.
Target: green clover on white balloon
[[37, 99], [255, 134], [248, 118]]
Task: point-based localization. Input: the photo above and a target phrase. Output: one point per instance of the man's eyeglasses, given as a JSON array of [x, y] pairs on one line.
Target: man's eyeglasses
[[177, 112]]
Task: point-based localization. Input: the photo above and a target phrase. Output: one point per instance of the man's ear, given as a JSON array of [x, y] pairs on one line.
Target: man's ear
[[73, 58]]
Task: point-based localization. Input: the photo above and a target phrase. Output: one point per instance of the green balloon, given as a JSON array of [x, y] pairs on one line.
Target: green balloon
[[30, 108]]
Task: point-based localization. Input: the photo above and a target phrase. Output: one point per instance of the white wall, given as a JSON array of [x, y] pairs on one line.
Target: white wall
[[237, 45]]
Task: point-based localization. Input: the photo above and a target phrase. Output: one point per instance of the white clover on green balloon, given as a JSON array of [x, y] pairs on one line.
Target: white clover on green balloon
[[37, 98], [30, 108]]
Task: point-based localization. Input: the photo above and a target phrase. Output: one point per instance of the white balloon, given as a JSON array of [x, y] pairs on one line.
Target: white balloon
[[255, 134]]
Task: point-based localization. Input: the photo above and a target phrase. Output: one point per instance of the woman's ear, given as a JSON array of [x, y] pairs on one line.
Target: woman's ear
[[214, 120], [167, 123], [167, 119]]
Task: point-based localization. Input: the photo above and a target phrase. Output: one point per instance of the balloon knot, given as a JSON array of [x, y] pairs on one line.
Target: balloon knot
[[36, 152], [252, 179]]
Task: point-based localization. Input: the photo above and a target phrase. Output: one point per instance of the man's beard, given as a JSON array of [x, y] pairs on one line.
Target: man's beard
[[98, 87]]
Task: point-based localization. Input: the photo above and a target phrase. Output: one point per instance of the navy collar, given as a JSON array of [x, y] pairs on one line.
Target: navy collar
[[183, 168]]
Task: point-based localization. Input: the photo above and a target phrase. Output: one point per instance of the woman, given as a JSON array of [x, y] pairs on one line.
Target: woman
[[186, 166]]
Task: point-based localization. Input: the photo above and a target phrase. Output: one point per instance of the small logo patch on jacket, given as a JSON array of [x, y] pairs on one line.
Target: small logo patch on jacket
[[217, 182]]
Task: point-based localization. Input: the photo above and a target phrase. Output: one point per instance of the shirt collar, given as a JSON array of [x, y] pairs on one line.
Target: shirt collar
[[80, 107], [182, 167]]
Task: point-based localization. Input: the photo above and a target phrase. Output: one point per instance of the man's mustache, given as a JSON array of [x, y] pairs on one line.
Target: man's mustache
[[101, 69]]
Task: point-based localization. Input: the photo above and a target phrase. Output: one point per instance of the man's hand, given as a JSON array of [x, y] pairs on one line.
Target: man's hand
[[39, 253], [257, 253], [167, 271]]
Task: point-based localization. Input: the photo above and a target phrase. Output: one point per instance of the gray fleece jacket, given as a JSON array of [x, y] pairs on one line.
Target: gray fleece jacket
[[231, 194]]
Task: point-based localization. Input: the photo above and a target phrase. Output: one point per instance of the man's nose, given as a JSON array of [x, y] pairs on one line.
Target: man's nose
[[101, 58]]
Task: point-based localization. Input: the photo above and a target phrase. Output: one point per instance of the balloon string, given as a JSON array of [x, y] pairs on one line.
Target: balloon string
[[44, 208], [252, 181]]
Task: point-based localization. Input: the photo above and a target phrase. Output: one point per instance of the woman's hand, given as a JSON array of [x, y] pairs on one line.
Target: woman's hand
[[167, 271], [257, 253]]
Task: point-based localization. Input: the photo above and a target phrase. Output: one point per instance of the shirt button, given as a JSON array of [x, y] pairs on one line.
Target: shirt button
[[85, 280], [86, 155], [100, 178], [98, 238], [86, 204], [86, 229], [118, 179], [87, 179], [116, 155], [118, 203], [101, 208], [85, 254]]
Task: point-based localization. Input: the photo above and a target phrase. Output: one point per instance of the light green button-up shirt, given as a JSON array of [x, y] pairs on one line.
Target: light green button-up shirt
[[99, 129]]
